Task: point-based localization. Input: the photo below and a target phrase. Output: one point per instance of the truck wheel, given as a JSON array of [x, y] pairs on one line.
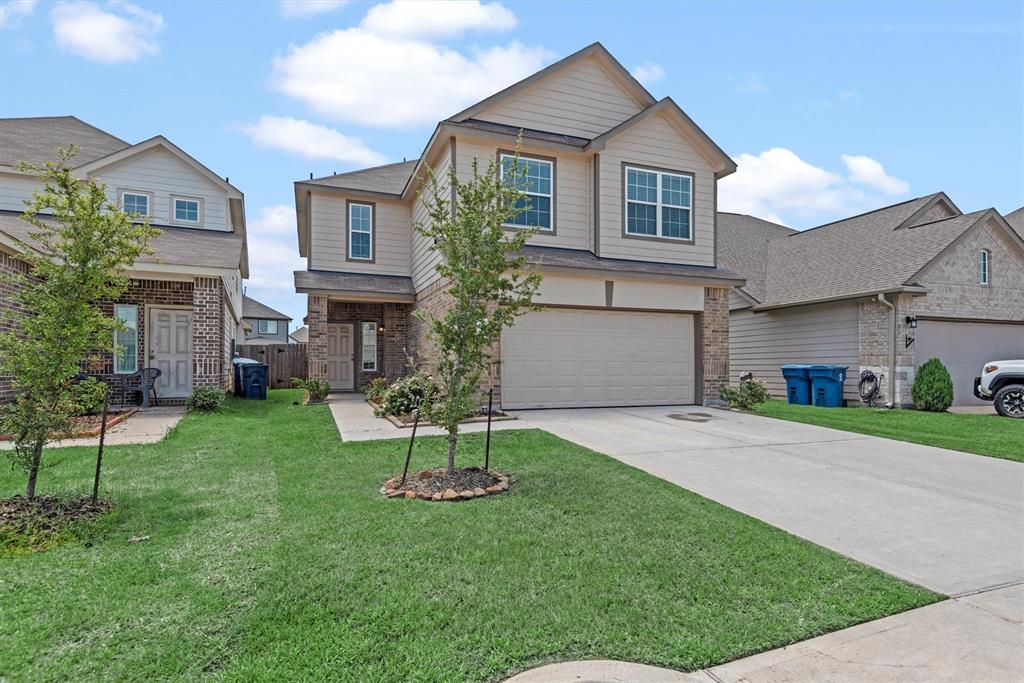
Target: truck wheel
[[1009, 400]]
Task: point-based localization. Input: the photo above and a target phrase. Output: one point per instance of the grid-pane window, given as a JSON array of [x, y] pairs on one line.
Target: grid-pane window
[[135, 204], [983, 266], [658, 204], [369, 347], [126, 341], [360, 231], [534, 177], [186, 210], [267, 326]]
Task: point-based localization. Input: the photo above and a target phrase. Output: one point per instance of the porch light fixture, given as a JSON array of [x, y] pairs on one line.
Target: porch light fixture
[[912, 321]]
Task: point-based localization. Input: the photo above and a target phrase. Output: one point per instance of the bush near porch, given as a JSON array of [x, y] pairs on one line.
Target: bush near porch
[[271, 556]]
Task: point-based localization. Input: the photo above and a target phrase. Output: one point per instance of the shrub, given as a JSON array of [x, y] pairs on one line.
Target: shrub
[[316, 389], [407, 394], [205, 399], [933, 387], [374, 391], [750, 393], [88, 396]]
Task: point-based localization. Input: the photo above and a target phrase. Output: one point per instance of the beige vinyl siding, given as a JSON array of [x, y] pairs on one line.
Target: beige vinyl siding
[[737, 301], [584, 101], [572, 196], [329, 236], [656, 143], [163, 174], [824, 333], [15, 189], [424, 261]]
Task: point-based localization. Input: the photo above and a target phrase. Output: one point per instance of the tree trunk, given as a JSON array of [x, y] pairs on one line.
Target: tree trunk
[[33, 472], [453, 439]]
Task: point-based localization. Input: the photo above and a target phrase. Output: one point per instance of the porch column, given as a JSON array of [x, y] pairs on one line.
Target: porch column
[[207, 332], [316, 347], [714, 340]]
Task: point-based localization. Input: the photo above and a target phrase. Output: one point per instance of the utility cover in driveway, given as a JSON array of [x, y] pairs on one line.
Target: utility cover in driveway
[[561, 358]]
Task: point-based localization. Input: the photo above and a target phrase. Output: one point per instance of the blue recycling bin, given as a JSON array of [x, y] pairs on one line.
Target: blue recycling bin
[[250, 379], [798, 384], [238, 364], [827, 385]]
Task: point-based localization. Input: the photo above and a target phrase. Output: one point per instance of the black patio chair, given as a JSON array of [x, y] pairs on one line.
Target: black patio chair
[[142, 382]]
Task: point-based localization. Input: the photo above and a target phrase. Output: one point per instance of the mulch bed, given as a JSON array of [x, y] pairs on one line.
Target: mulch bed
[[85, 426], [48, 514], [407, 420], [438, 485]]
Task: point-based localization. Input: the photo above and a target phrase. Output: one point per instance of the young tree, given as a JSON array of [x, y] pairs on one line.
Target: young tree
[[78, 257], [479, 259]]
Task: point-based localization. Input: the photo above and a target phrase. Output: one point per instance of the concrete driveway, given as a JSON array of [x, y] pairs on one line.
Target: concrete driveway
[[949, 521]]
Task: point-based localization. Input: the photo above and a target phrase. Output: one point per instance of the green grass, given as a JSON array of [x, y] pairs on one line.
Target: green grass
[[991, 435], [272, 556]]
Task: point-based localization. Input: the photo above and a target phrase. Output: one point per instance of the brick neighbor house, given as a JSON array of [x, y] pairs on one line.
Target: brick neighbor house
[[623, 194], [955, 280], [184, 305]]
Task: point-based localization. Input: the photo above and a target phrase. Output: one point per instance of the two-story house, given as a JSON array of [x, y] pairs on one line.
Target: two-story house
[[263, 324], [183, 309], [622, 191]]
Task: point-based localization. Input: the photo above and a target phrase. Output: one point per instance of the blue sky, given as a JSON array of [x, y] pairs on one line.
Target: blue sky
[[830, 108]]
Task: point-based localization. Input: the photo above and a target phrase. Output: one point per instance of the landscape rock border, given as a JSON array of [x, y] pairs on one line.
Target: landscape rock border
[[391, 490]]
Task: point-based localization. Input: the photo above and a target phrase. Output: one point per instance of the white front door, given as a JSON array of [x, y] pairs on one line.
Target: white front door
[[170, 350], [340, 356]]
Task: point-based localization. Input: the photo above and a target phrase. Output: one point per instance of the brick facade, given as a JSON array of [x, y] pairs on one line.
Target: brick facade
[[392, 341], [714, 342], [207, 332], [316, 347]]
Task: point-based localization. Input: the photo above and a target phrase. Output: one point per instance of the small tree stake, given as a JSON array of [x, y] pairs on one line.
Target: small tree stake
[[99, 453], [412, 439], [487, 449]]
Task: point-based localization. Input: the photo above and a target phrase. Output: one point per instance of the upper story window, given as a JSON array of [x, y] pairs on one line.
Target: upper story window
[[360, 231], [135, 203], [658, 203], [126, 341], [266, 326], [186, 210], [536, 177], [984, 266]]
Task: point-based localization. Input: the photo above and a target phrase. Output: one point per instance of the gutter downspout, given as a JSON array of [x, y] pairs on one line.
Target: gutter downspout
[[892, 351]]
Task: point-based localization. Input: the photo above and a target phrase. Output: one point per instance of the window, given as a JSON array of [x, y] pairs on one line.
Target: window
[[983, 266], [126, 342], [536, 179], [658, 204], [187, 210], [369, 347], [360, 232], [266, 326], [135, 203]]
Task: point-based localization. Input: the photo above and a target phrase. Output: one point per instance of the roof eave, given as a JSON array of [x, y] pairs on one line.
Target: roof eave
[[916, 290]]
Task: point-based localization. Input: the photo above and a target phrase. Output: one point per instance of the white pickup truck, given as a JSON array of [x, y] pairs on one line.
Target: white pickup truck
[[1002, 382]]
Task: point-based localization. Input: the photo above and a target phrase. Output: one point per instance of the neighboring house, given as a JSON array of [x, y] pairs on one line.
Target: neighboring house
[[264, 325], [299, 336], [623, 193], [1016, 219], [956, 281], [183, 307]]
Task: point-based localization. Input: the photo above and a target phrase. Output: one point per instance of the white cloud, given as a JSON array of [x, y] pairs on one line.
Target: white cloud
[[358, 76], [438, 18], [778, 185], [310, 140], [13, 11], [749, 82], [300, 9], [648, 73], [867, 171], [274, 256], [120, 32]]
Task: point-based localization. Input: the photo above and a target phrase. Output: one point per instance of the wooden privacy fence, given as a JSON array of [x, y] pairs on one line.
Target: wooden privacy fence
[[284, 361]]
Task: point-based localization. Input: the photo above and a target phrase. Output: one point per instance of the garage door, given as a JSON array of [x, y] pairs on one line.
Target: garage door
[[965, 347], [561, 358]]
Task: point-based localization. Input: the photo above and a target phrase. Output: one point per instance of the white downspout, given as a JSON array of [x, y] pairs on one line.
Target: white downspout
[[892, 351]]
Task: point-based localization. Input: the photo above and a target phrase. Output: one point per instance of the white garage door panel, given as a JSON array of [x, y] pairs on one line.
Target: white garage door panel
[[572, 358], [965, 347]]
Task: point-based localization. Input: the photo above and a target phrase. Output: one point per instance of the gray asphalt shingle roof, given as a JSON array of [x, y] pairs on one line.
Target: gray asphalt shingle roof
[[390, 178], [742, 243], [1016, 220], [576, 258], [36, 140], [173, 246], [255, 309], [353, 282]]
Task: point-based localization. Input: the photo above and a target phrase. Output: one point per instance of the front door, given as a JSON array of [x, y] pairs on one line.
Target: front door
[[170, 350], [340, 357]]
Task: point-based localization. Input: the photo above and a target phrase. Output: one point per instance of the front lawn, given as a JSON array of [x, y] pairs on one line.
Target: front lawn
[[992, 435], [271, 556]]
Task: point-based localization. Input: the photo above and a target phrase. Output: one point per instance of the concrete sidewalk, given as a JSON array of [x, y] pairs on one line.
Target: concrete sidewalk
[[146, 426]]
